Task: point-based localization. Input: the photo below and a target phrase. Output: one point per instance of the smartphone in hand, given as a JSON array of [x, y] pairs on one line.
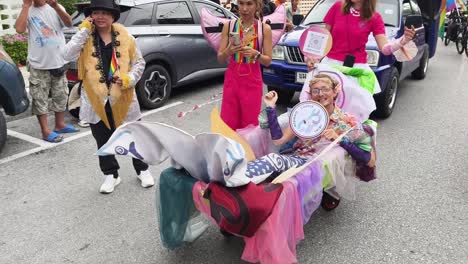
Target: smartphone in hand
[[413, 21], [235, 38]]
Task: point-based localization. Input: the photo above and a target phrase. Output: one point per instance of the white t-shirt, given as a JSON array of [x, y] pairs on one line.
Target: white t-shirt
[[290, 13], [46, 40]]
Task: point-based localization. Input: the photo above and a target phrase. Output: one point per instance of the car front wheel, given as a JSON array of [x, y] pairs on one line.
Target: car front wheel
[[154, 87], [420, 72], [385, 100], [3, 131]]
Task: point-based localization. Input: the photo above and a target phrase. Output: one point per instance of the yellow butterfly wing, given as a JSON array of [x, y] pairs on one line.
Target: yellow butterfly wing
[[218, 126]]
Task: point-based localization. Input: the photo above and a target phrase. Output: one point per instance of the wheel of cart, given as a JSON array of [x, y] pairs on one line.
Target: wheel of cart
[[329, 202]]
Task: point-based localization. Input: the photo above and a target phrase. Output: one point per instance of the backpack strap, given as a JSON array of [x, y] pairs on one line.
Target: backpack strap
[[260, 35], [232, 25]]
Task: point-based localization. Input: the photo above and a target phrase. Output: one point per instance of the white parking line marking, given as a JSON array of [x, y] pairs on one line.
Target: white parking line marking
[[43, 145], [25, 137], [161, 108], [20, 155]]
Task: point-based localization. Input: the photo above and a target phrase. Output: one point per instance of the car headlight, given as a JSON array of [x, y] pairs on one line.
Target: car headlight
[[278, 53], [373, 57]]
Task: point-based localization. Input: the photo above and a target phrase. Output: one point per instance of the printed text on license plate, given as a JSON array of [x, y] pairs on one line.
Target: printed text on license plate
[[301, 77]]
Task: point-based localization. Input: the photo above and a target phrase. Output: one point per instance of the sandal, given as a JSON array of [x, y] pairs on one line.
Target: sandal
[[67, 129], [53, 137]]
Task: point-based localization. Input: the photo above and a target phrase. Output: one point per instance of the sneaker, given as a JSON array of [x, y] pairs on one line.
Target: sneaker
[[109, 183], [146, 179], [83, 123]]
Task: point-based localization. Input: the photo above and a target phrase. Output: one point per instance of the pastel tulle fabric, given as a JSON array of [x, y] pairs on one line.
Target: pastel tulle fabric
[[275, 241]]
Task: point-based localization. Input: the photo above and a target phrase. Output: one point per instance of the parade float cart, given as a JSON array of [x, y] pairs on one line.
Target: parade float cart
[[208, 174], [268, 216]]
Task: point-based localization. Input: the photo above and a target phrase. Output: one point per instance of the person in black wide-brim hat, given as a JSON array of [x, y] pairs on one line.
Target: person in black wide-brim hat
[[109, 65]]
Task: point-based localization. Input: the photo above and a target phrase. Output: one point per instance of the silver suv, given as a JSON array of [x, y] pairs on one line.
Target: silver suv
[[170, 37]]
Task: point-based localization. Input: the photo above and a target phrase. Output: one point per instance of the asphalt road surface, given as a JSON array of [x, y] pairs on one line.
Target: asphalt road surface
[[416, 212]]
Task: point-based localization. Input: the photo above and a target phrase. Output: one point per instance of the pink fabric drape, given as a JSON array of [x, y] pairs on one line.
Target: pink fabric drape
[[275, 241]]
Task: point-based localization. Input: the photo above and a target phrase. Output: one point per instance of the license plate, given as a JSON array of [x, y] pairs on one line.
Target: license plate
[[301, 77]]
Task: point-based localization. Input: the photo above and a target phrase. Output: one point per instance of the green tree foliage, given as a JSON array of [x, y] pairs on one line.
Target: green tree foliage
[[70, 5]]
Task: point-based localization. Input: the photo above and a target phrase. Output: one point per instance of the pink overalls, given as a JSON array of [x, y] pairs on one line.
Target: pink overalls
[[243, 87]]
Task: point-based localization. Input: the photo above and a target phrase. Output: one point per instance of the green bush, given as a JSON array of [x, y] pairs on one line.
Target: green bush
[[16, 46], [70, 5]]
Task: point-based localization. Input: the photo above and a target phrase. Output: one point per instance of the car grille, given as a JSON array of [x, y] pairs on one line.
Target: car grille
[[289, 76], [294, 55]]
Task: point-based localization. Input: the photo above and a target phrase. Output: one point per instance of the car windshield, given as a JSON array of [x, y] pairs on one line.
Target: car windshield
[[388, 9]]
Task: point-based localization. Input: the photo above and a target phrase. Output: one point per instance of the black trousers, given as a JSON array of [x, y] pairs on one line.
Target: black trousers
[[101, 134]]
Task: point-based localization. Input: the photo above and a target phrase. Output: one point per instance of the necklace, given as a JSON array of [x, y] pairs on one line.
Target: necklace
[[97, 46], [246, 29], [354, 12]]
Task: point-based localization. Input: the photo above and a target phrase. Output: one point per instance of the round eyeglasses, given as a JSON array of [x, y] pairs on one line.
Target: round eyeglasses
[[324, 90]]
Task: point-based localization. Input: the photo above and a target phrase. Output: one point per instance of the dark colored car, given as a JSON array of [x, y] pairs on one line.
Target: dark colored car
[[287, 72], [170, 37], [13, 97]]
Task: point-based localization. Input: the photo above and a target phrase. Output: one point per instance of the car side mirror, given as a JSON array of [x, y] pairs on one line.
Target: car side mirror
[[297, 19]]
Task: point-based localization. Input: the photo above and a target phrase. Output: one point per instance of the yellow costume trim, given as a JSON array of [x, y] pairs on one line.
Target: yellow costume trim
[[97, 92], [86, 24], [125, 80]]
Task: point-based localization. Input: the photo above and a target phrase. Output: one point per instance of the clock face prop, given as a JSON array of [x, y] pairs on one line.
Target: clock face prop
[[308, 119]]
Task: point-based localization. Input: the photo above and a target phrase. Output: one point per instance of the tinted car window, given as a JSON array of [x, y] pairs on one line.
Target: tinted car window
[[388, 9], [174, 13], [140, 15], [213, 9]]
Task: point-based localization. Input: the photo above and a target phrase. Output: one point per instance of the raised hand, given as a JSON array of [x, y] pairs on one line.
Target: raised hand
[[52, 3], [270, 98], [90, 19], [409, 34], [27, 3], [311, 63]]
